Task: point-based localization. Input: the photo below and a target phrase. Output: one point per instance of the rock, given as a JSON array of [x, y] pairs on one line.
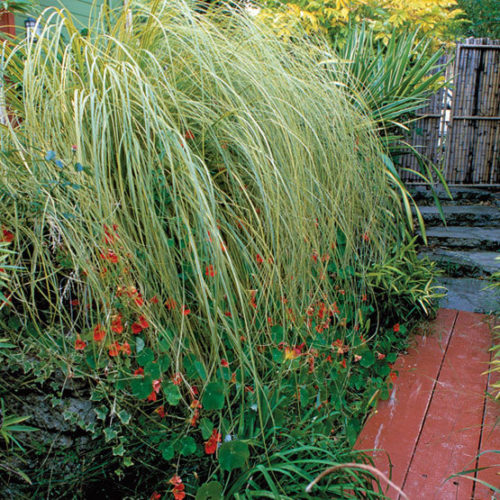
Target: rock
[[470, 263], [469, 294], [484, 238], [461, 215]]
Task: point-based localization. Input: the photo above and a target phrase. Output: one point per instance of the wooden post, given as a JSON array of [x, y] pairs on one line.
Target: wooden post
[[8, 26], [7, 23]]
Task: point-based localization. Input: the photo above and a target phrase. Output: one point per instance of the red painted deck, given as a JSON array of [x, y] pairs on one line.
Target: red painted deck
[[437, 420]]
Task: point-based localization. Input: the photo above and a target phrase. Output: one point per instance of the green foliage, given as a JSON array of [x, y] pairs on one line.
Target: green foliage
[[204, 218], [406, 281], [495, 349], [21, 6], [481, 18]]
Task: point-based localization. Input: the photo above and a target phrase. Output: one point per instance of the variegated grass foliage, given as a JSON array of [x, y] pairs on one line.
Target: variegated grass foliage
[[206, 144]]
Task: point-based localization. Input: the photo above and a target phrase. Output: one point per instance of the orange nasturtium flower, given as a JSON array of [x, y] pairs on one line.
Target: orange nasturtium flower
[[99, 333], [7, 236], [125, 348], [161, 411], [80, 345], [140, 325], [170, 304], [116, 324], [114, 349], [211, 444], [178, 489]]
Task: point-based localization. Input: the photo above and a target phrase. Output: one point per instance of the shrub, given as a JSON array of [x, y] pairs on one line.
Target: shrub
[[437, 19]]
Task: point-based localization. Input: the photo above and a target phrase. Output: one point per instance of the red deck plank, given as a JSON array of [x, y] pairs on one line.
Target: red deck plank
[[449, 440], [395, 426], [490, 441]]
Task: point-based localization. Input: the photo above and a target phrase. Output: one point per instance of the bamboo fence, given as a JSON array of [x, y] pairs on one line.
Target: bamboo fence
[[459, 128]]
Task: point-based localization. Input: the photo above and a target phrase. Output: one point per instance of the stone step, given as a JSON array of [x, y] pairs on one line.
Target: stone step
[[462, 237], [458, 263], [469, 294], [460, 195], [462, 215]]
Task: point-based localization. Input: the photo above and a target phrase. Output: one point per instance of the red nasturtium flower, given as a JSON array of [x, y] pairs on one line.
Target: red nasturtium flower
[[224, 363], [116, 324], [396, 328], [110, 256], [343, 364], [253, 295], [194, 419], [155, 496], [393, 376], [114, 349], [109, 238], [152, 396], [154, 300], [195, 404], [380, 356], [136, 328], [189, 135], [80, 345], [259, 259], [161, 411], [211, 444], [7, 236], [185, 311], [178, 489], [139, 371], [139, 300], [170, 304], [125, 348], [176, 379], [366, 237], [139, 325], [210, 271], [99, 333], [157, 385]]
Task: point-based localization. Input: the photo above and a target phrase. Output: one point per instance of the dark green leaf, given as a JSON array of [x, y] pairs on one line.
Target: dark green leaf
[[213, 397], [233, 455], [210, 491]]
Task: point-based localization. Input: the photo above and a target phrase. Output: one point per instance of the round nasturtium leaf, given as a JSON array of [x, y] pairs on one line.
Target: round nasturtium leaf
[[213, 397], [172, 393], [233, 455], [188, 446], [141, 386], [167, 450], [206, 427], [210, 491]]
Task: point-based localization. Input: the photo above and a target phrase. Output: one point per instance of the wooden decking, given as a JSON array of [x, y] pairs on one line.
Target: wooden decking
[[437, 421]]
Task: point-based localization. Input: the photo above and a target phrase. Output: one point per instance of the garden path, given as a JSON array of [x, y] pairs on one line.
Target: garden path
[[438, 421]]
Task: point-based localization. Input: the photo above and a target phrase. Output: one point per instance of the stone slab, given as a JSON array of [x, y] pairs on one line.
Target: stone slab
[[469, 294], [484, 238], [457, 263]]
